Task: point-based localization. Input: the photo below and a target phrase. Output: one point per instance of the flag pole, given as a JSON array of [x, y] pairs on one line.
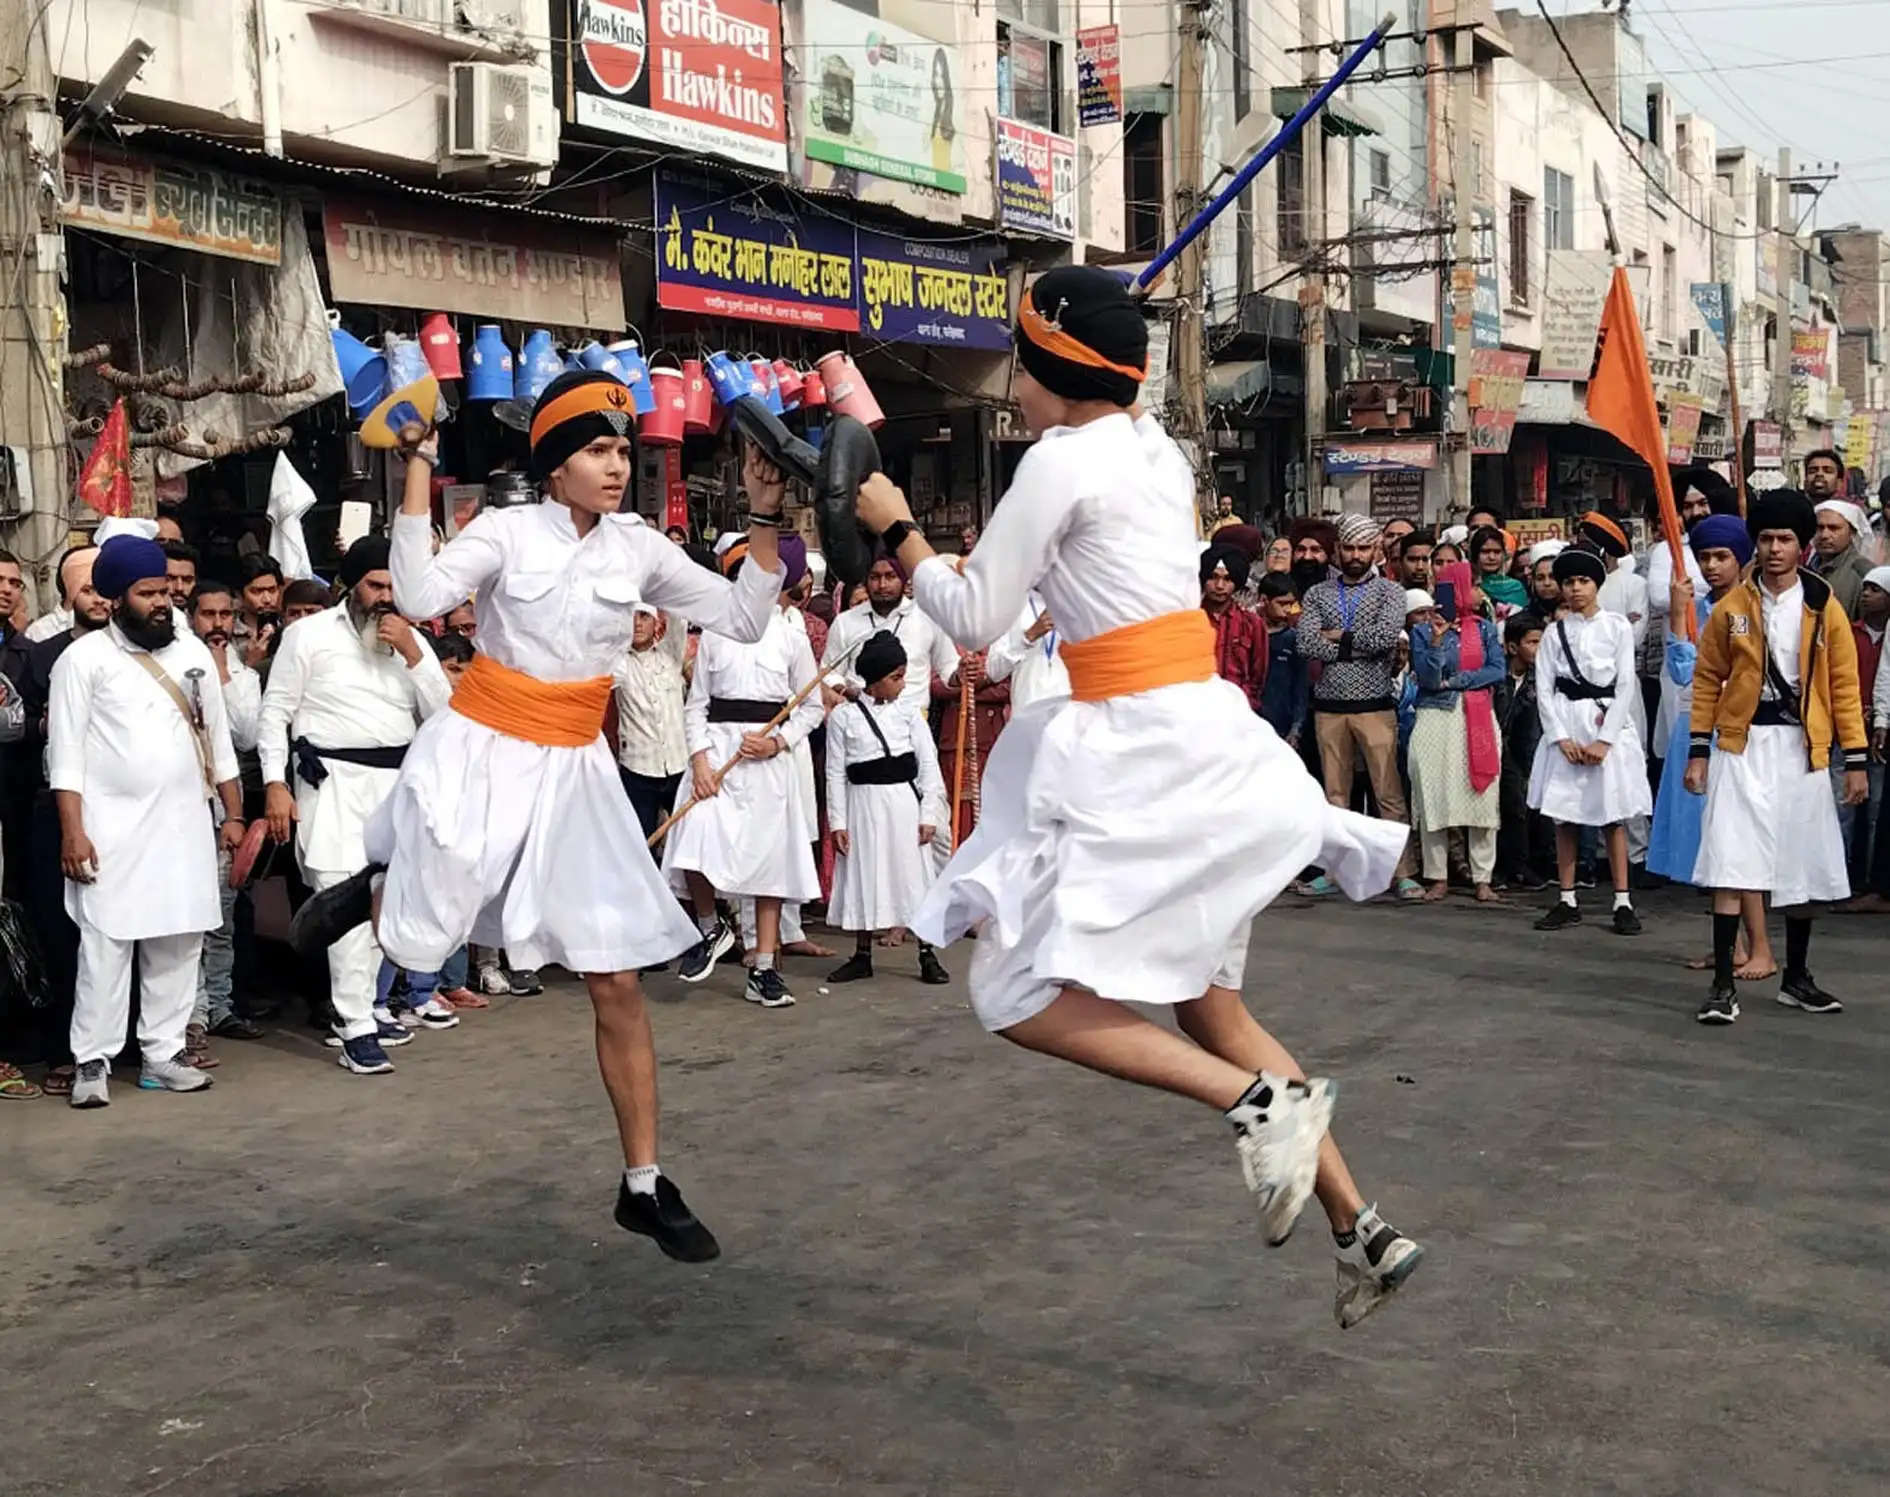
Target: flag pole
[[1732, 390]]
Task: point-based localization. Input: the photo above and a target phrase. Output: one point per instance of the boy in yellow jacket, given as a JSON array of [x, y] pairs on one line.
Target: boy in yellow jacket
[[1775, 683]]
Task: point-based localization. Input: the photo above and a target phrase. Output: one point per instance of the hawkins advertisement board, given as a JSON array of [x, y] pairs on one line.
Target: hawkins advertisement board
[[702, 76]]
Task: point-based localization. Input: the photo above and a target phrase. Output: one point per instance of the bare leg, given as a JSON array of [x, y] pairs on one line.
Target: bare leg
[[1109, 1037], [1759, 962], [1567, 845], [1219, 1022], [701, 894], [1617, 857], [626, 1055], [767, 924]]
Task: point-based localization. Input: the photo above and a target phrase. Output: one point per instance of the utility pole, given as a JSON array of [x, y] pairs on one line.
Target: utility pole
[[1190, 285], [32, 308], [1782, 345], [1312, 286], [1463, 275]]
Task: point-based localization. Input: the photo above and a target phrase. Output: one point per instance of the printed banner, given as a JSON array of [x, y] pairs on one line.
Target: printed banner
[[1811, 354], [1398, 496], [392, 255], [1860, 440], [1036, 180], [1714, 301], [1496, 392], [1768, 444], [1683, 428], [1534, 532], [1572, 295], [184, 207], [1099, 75], [1379, 457], [698, 75], [954, 295], [753, 257], [880, 99]]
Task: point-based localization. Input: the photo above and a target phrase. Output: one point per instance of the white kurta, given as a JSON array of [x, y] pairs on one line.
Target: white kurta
[[516, 844], [929, 651], [115, 736], [1625, 594], [1122, 844], [242, 702], [750, 837], [1770, 821], [878, 883], [1675, 699], [1033, 667], [1589, 794], [330, 686]]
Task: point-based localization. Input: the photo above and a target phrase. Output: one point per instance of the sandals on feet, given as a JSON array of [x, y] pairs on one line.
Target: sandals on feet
[[14, 1087], [58, 1082]]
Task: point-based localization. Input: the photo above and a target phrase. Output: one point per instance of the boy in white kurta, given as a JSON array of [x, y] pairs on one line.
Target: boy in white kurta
[[137, 740], [1590, 767], [885, 802]]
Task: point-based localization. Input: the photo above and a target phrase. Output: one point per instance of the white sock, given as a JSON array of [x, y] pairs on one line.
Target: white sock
[[1622, 900], [706, 924], [641, 1179], [1568, 898], [764, 961]]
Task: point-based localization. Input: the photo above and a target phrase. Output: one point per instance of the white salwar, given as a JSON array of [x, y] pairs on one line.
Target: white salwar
[[116, 738], [1034, 668], [517, 844], [1123, 845], [750, 837], [879, 882], [1770, 822], [1589, 794], [332, 687]]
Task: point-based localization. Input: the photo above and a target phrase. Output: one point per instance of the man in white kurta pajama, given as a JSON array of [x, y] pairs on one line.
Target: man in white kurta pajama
[[138, 741], [344, 706]]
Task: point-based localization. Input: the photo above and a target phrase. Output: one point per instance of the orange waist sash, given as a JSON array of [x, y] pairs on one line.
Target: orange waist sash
[[557, 714], [1162, 651]]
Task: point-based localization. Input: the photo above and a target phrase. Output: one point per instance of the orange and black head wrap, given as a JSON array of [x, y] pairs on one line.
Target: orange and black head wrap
[[575, 410], [1603, 534], [1081, 335]]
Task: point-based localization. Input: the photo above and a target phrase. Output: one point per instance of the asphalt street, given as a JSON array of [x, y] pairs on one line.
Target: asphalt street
[[1656, 1259]]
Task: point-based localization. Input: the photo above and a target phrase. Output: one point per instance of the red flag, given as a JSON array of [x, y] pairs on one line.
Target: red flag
[[1621, 401], [105, 480]]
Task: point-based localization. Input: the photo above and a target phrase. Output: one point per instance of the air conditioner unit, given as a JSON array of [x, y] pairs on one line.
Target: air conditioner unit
[[502, 115]]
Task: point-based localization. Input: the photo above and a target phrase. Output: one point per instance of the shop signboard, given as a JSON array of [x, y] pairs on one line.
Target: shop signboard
[[1036, 180], [1860, 439], [1547, 402], [397, 254], [1398, 496], [955, 295], [1683, 426], [879, 98], [1713, 300], [752, 257], [181, 207], [1099, 75], [1496, 391], [702, 76], [1811, 354], [1768, 448], [1535, 531], [1380, 457], [1573, 292]]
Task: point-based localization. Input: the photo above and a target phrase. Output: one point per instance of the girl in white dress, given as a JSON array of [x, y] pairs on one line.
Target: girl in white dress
[[1130, 832]]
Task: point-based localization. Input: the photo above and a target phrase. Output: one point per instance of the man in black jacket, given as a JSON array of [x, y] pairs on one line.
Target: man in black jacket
[[1525, 843]]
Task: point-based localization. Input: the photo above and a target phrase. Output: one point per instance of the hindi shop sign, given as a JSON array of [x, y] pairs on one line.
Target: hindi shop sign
[[880, 99], [697, 75], [1036, 180], [1496, 391], [1099, 75], [182, 207], [1573, 292], [1683, 428], [397, 256], [752, 258], [1398, 496], [1379, 457], [953, 295]]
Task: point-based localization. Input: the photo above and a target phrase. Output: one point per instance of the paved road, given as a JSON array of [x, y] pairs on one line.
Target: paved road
[[1656, 1262]]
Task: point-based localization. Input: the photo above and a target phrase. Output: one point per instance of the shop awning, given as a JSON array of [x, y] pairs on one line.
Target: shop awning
[[1240, 380], [1340, 116]]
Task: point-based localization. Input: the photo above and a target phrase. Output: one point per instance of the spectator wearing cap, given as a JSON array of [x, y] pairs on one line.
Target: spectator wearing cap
[[648, 688], [346, 690], [1353, 625], [1838, 551], [138, 746], [1240, 637]]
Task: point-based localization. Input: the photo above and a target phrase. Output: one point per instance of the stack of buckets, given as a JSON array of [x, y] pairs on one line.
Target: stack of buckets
[[693, 396]]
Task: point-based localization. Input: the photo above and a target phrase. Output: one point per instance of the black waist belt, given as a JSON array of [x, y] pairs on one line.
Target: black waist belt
[[311, 771], [1583, 691], [1776, 715], [742, 710], [895, 769]]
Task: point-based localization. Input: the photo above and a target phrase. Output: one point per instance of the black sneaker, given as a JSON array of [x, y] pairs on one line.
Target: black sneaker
[[329, 914], [700, 959], [1721, 1006], [1560, 917], [1585, 877], [1626, 922], [768, 988], [1802, 992], [664, 1217], [854, 969], [235, 1027], [526, 982], [931, 970]]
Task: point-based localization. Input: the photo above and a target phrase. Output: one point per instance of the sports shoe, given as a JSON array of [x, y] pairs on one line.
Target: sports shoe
[[855, 968], [436, 1013], [665, 1217], [173, 1075], [1585, 877], [1316, 888], [364, 1056], [1802, 992], [329, 914], [526, 983], [235, 1027], [386, 1031], [88, 1084], [768, 988], [1626, 922], [197, 1048], [400, 1014], [1721, 1005], [931, 970], [1372, 1265], [1560, 917], [492, 980], [1278, 1126], [700, 959]]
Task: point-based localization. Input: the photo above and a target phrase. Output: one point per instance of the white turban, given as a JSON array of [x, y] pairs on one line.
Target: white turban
[[1544, 550], [1416, 598], [111, 525], [1878, 577], [1453, 535], [1852, 515]]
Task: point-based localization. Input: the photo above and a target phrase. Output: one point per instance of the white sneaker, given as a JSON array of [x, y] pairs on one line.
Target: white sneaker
[[88, 1084], [1278, 1127], [493, 982], [437, 1013], [1371, 1266], [172, 1076]]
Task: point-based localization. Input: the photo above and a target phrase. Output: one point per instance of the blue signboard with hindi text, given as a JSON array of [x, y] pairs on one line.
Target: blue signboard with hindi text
[[952, 294], [752, 255]]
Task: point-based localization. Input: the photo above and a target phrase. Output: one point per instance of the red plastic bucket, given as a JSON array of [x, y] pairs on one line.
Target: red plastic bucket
[[663, 427]]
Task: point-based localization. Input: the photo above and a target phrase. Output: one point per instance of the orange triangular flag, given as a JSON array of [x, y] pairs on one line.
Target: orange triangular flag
[[1621, 401], [105, 480]]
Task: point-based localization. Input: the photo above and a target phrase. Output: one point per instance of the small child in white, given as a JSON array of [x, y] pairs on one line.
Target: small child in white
[[885, 799]]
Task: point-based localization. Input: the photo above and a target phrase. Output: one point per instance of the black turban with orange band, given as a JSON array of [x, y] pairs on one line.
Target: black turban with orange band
[[576, 409], [1081, 335]]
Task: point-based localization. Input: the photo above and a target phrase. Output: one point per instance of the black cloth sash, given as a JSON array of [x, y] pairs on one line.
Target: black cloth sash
[[1776, 715], [311, 771], [742, 710], [1577, 690], [895, 769]]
